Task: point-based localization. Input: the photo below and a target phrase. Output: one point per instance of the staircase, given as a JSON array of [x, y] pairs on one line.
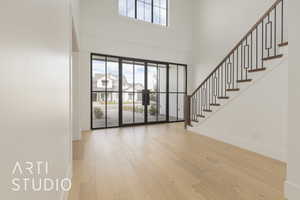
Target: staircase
[[263, 43]]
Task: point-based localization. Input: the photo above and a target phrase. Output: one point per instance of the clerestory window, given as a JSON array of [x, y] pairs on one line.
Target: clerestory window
[[153, 11]]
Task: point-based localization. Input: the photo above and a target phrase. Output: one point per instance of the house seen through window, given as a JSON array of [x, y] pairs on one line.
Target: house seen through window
[[104, 82], [153, 11]]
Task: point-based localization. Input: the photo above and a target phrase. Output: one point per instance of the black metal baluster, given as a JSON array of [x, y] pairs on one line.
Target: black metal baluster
[[242, 60], [208, 82], [251, 51], [275, 30], [203, 100], [205, 97], [198, 102], [225, 84], [268, 48], [215, 88], [219, 83], [207, 94], [196, 96], [237, 65], [225, 76], [246, 66], [191, 108], [233, 79], [195, 106], [282, 23], [262, 44], [195, 114], [256, 46], [229, 73], [221, 80], [227, 66], [210, 92]]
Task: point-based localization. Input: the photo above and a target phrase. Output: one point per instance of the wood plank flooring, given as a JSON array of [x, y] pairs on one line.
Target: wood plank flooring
[[166, 162]]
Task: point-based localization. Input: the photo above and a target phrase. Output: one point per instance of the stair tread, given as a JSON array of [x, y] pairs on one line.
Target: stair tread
[[273, 57], [242, 81], [215, 104], [257, 70], [283, 44], [233, 89], [223, 97]]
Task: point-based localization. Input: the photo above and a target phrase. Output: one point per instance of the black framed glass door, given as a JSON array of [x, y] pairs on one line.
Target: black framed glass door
[[128, 91], [133, 92], [144, 92], [177, 91]]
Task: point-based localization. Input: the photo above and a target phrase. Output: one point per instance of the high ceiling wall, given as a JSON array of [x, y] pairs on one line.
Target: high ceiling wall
[[103, 30]]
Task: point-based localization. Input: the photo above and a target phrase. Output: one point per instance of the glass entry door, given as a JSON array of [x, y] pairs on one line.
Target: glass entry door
[[144, 92], [133, 88]]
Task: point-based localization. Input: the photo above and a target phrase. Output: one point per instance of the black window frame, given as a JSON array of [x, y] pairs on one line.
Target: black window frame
[[152, 12], [177, 92]]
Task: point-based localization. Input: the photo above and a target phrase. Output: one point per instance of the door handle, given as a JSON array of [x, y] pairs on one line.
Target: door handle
[[146, 98], [143, 97]]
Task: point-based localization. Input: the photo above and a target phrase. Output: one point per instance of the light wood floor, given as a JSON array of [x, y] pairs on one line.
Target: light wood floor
[[165, 162]]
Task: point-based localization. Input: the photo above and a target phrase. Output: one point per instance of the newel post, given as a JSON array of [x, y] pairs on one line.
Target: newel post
[[187, 111]]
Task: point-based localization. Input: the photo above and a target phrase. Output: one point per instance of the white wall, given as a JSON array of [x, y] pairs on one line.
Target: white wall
[[75, 10], [75, 97], [84, 91], [75, 13], [34, 85], [257, 119], [293, 178], [219, 25], [103, 30]]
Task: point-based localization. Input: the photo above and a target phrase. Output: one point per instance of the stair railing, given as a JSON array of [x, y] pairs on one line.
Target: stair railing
[[259, 44]]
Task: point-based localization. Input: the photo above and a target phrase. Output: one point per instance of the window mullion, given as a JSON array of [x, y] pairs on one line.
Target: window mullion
[[135, 11], [152, 11], [167, 12]]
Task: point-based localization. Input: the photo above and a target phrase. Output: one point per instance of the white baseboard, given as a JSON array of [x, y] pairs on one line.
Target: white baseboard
[[69, 174], [77, 136], [292, 191]]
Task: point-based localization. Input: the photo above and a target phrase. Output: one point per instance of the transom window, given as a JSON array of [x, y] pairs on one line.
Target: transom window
[[153, 11]]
